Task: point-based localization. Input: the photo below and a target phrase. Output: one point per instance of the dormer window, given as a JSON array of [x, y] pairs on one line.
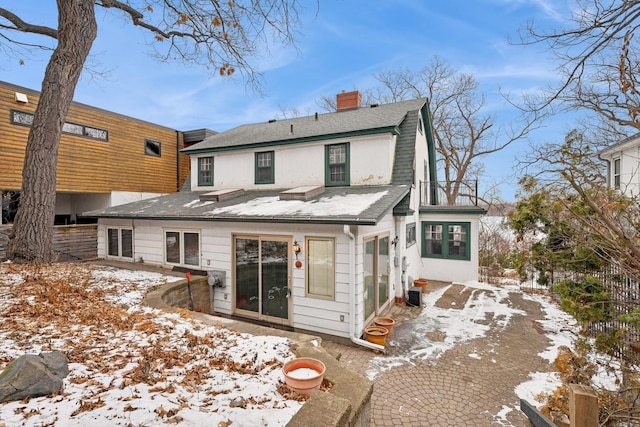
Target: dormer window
[[264, 168], [337, 165], [205, 171]]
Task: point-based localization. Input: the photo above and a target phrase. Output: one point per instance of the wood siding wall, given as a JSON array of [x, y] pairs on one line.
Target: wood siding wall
[[90, 165], [70, 242]]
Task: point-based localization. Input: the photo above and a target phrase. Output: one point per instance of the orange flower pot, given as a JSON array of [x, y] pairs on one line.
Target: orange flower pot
[[421, 283], [304, 375], [376, 334], [385, 322]]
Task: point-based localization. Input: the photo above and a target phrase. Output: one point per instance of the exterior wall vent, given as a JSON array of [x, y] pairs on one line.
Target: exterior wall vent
[[22, 97]]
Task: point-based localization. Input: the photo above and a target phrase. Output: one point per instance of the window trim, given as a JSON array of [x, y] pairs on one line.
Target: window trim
[[148, 152], [181, 232], [307, 292], [445, 240], [201, 182], [617, 174], [271, 167], [327, 166], [107, 242]]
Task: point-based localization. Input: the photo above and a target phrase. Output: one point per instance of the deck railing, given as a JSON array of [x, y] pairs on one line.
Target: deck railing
[[439, 194]]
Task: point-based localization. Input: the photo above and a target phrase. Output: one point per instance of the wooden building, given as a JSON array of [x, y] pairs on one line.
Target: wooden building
[[105, 159]]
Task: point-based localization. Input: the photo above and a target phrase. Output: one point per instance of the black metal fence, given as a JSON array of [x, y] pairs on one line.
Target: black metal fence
[[624, 298]]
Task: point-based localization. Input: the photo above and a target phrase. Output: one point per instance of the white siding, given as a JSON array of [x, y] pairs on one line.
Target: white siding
[[628, 153], [448, 269], [302, 164], [308, 313]]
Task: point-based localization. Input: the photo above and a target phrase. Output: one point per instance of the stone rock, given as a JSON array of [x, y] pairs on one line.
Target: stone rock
[[33, 375], [238, 402]]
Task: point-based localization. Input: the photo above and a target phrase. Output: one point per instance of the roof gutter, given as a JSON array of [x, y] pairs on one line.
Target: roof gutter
[[352, 294]]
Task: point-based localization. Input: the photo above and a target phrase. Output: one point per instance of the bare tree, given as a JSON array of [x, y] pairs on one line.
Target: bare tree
[[221, 36], [598, 59], [463, 131]]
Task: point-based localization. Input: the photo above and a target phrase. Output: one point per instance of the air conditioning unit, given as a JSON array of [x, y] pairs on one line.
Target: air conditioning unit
[[415, 296]]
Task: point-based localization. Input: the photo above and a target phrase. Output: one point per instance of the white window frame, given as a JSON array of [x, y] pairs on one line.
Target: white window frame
[[617, 174], [331, 293], [181, 247], [108, 241]]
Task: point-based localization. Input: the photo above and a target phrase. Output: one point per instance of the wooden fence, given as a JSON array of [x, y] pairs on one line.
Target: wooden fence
[[70, 242]]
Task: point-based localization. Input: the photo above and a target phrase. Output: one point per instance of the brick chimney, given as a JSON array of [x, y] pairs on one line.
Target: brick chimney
[[348, 100]]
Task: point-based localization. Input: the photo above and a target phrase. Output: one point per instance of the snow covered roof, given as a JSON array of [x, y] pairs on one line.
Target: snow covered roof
[[363, 205]]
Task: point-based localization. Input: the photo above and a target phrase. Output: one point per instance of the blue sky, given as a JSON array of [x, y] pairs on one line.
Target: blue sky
[[341, 46]]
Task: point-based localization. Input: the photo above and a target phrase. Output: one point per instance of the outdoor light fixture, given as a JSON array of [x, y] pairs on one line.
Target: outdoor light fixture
[[394, 242], [296, 248]]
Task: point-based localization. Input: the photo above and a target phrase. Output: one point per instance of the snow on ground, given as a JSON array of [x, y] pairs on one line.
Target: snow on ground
[[131, 365], [452, 323], [486, 300]]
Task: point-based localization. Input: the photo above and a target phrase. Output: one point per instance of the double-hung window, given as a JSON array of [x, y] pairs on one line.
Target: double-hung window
[[449, 240], [205, 171], [264, 168], [337, 165], [182, 247], [616, 173], [120, 242], [320, 267]]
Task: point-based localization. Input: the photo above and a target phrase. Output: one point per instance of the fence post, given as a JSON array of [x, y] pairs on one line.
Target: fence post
[[583, 406]]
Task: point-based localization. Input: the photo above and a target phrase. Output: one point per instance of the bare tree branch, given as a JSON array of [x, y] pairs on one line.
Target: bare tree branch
[[24, 27]]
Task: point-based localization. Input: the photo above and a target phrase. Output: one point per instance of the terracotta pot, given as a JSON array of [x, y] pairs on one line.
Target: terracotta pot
[[421, 283], [304, 374], [385, 322], [376, 334]]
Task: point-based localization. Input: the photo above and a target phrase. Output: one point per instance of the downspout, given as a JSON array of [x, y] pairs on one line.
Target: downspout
[[352, 294], [608, 163], [178, 186]]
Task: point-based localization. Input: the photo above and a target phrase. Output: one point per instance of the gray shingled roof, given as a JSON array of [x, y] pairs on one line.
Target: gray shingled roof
[[363, 205], [361, 120]]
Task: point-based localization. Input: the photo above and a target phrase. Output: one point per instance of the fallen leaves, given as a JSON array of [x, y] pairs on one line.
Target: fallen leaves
[[120, 346]]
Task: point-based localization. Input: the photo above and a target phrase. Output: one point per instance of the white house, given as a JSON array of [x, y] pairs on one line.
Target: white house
[[623, 166], [319, 223]]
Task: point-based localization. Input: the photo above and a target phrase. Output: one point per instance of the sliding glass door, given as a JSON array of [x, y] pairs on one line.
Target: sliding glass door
[[261, 288], [376, 274]]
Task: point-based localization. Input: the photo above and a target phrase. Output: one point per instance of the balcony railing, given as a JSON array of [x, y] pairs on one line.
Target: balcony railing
[[436, 194]]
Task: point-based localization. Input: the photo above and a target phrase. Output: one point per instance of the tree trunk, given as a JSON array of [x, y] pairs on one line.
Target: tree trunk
[[31, 239]]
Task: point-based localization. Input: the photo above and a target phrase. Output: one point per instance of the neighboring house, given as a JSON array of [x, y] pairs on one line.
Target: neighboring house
[[104, 159], [318, 223], [623, 166]]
